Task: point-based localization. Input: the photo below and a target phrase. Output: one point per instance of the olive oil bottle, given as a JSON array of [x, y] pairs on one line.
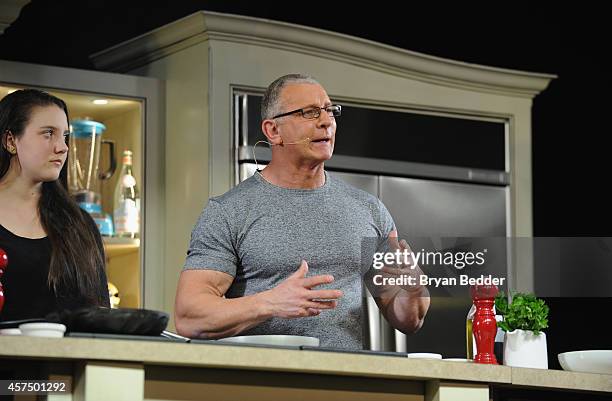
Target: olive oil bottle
[[470, 343]]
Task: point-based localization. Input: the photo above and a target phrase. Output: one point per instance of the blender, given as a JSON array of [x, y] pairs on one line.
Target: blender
[[84, 175]]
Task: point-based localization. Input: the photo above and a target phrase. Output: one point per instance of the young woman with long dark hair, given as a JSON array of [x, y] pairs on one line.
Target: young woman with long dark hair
[[56, 255]]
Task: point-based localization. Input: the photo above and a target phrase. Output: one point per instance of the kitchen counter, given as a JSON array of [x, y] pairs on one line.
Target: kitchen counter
[[126, 369]]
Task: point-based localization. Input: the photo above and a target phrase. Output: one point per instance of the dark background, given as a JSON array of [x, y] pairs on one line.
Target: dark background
[[571, 129]]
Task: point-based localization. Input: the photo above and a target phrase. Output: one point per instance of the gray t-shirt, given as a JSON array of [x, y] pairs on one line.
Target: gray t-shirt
[[259, 233]]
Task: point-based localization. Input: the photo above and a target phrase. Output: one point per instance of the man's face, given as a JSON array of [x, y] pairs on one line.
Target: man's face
[[295, 127]]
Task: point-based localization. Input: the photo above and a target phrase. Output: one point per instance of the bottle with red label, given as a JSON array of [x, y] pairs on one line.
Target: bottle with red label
[[126, 216]]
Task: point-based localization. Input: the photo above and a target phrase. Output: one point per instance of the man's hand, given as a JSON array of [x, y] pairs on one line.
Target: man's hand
[[408, 267], [295, 297]]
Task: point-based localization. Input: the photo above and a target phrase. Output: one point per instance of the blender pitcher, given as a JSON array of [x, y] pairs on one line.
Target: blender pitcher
[[84, 175]]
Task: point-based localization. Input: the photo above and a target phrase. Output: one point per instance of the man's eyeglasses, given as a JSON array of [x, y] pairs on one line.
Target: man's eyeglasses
[[310, 113]]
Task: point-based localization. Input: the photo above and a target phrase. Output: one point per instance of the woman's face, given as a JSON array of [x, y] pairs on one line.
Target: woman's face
[[42, 149]]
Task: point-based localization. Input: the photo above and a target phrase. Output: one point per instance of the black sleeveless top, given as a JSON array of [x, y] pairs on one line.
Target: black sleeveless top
[[25, 281], [26, 293]]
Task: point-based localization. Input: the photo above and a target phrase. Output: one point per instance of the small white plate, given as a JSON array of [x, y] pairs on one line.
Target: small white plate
[[10, 332], [43, 329], [424, 355], [274, 339]]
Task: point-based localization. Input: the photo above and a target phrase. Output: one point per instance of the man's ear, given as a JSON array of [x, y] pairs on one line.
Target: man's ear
[[270, 130]]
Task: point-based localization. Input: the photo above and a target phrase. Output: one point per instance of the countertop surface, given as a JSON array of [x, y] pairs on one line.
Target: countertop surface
[[217, 354]]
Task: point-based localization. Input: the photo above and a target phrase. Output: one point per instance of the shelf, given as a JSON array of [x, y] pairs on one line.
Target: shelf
[[120, 246]]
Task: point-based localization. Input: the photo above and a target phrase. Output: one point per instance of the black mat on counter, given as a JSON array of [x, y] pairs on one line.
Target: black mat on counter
[[303, 347], [221, 342], [233, 344], [352, 351], [122, 337]]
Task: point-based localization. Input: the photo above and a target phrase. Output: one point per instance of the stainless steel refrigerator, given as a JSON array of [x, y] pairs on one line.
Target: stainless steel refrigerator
[[428, 208]]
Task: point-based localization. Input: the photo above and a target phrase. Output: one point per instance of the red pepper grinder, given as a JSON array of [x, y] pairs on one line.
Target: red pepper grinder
[[484, 326], [3, 264]]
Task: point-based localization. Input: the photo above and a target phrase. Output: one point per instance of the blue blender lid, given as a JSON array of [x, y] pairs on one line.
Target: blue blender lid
[[84, 128]]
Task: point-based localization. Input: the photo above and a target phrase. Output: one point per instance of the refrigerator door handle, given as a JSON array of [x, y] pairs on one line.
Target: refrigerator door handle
[[373, 324]]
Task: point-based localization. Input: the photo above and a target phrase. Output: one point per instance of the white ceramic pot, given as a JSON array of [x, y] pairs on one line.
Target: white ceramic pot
[[524, 349]]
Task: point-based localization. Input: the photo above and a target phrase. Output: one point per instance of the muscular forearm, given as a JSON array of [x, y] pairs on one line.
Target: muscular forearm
[[210, 316], [202, 311], [406, 310]]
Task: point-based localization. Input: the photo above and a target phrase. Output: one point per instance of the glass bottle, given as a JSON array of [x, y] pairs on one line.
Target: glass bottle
[[470, 342], [126, 216]]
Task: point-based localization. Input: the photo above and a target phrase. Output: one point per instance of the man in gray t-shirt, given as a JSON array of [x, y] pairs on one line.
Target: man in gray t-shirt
[[281, 253]]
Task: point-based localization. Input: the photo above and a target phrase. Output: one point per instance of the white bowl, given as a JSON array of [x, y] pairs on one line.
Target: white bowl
[[274, 339], [424, 355], [591, 361], [10, 332], [42, 329]]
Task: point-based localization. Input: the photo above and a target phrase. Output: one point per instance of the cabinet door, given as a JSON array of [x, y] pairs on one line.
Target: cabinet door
[[438, 208]]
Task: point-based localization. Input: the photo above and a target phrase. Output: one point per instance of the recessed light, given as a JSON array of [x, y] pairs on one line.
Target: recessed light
[[100, 101]]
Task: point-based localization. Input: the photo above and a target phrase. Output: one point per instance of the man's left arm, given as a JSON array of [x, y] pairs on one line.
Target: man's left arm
[[404, 306]]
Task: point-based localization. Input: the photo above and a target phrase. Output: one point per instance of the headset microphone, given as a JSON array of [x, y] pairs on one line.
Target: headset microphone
[[295, 143], [307, 139]]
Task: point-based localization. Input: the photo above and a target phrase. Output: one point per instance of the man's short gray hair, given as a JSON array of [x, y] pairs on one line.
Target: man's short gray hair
[[270, 104]]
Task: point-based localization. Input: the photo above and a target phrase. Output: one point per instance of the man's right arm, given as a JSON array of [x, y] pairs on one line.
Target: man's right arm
[[202, 311]]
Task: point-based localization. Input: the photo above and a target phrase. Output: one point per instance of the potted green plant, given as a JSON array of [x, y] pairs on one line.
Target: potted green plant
[[524, 318]]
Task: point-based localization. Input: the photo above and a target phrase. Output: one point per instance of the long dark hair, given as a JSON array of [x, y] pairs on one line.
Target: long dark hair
[[76, 255]]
